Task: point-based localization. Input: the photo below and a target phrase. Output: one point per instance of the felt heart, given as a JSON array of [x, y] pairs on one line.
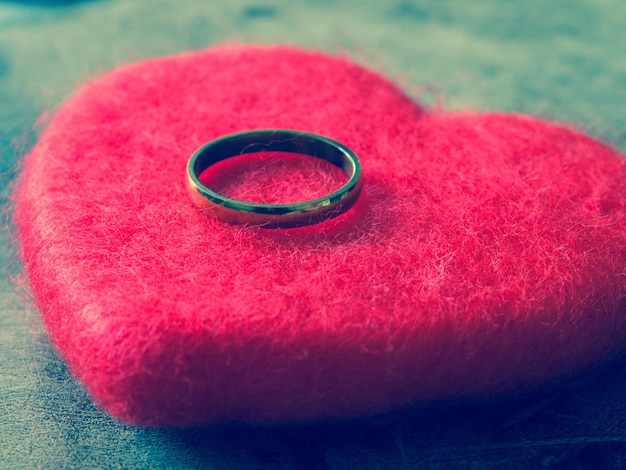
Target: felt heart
[[486, 252]]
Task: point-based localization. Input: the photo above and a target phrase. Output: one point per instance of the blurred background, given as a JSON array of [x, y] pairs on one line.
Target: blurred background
[[563, 60]]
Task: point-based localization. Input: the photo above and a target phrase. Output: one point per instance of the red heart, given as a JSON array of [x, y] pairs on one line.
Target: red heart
[[485, 253]]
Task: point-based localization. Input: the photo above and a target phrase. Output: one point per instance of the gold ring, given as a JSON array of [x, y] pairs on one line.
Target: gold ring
[[297, 214]]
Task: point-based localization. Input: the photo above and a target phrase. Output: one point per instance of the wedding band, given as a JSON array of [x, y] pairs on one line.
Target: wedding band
[[297, 214]]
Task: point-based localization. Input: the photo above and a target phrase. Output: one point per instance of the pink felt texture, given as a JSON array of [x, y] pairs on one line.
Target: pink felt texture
[[486, 253]]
